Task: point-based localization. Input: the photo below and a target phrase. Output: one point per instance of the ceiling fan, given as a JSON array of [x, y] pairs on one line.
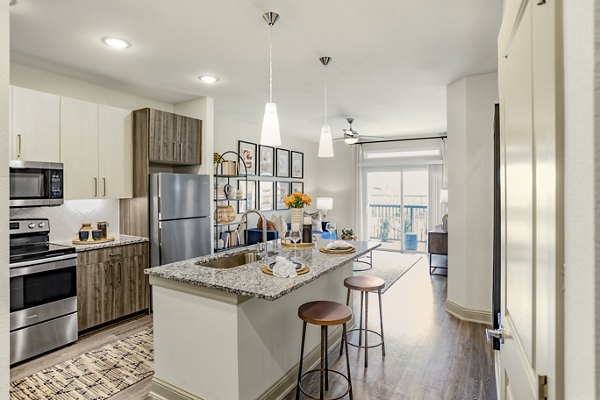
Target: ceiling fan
[[353, 137]]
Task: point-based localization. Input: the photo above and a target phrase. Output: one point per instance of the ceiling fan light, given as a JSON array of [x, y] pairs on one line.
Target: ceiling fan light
[[325, 142], [270, 135], [351, 140]]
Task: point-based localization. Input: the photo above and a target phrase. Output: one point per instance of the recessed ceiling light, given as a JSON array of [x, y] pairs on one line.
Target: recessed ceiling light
[[208, 78], [115, 43]]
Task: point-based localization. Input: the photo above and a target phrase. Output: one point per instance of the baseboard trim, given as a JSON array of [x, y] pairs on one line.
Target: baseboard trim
[[467, 314], [161, 390]]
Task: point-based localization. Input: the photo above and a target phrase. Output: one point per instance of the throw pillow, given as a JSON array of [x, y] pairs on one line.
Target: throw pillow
[[270, 226], [280, 225], [316, 220]]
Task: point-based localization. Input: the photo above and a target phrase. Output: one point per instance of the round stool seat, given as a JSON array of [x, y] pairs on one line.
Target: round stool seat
[[364, 283], [325, 313]]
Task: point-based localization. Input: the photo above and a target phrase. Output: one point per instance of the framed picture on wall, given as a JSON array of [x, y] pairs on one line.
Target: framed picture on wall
[[265, 195], [297, 187], [283, 191], [247, 151], [297, 165], [283, 163], [248, 190], [266, 161]]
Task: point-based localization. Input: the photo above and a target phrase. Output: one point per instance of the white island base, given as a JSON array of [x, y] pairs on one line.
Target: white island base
[[211, 344]]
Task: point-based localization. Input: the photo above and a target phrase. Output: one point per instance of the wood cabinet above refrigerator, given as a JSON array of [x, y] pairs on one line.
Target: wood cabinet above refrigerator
[[172, 139]]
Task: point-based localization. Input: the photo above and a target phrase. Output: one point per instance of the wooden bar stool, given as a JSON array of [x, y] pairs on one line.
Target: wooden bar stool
[[365, 284], [324, 314]]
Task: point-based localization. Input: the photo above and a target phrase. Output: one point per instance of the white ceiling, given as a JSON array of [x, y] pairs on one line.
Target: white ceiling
[[391, 59]]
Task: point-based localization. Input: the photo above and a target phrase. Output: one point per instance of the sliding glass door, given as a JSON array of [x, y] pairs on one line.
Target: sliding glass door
[[397, 207]]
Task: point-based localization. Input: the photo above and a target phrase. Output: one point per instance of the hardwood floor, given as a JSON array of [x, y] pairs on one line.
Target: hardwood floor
[[429, 353]]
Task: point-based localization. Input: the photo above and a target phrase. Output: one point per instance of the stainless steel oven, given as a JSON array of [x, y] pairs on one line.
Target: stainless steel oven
[[43, 291], [36, 183]]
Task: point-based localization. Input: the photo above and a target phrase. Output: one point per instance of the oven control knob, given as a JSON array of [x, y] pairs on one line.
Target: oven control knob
[[31, 225], [42, 224]]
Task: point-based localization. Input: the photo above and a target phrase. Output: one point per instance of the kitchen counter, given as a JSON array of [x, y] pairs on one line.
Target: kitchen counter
[[235, 333], [120, 240], [249, 280]]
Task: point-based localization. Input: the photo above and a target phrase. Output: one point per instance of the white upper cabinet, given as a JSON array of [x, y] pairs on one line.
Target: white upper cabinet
[[35, 125], [79, 148], [96, 149], [115, 146]]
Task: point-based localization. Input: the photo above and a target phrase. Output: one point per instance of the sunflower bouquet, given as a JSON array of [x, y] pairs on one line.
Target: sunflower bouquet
[[297, 200]]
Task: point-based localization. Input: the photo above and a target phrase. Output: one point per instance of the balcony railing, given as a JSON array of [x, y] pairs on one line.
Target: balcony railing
[[385, 221]]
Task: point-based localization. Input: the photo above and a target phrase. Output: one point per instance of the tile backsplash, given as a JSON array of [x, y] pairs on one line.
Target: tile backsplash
[[66, 219]]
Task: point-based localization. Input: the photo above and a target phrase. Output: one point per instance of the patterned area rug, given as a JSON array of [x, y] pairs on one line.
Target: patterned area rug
[[389, 266], [97, 374]]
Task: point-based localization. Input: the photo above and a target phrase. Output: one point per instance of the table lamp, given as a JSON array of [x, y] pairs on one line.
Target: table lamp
[[325, 204]]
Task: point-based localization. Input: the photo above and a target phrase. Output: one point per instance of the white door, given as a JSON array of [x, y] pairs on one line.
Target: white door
[[79, 148], [35, 125], [115, 169], [531, 193]]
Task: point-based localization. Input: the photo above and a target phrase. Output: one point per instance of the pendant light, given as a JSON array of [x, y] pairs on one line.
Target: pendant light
[[325, 141], [270, 135]]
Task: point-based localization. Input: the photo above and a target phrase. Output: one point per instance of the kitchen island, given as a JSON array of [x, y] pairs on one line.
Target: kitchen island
[[234, 333]]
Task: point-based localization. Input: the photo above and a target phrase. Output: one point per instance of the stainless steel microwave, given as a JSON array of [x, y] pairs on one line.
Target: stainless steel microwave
[[36, 183]]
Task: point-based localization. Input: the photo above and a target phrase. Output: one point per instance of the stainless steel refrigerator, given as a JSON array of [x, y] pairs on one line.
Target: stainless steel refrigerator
[[179, 217]]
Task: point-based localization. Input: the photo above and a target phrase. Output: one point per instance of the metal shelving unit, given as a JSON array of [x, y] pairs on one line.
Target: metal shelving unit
[[220, 177]]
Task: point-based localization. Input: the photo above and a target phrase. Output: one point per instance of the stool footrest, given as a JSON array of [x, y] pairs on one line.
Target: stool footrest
[[362, 346], [313, 371]]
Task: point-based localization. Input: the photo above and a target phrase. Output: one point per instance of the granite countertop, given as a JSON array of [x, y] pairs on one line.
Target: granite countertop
[[248, 279], [120, 240]]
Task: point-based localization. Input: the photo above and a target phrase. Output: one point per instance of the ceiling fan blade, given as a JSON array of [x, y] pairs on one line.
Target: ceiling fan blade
[[370, 137]]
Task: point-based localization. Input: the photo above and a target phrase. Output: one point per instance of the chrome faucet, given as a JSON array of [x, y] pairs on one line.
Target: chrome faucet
[[264, 228]]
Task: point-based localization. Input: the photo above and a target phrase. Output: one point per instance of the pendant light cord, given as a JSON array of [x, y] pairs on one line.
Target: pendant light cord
[[271, 64], [326, 95]]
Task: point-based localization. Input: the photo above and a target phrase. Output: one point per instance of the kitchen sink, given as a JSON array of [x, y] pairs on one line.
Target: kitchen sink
[[231, 261]]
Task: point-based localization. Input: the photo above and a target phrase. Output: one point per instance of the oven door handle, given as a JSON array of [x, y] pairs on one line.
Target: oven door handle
[[58, 263]]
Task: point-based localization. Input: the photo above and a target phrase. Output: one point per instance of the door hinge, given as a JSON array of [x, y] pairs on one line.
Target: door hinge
[[543, 387]]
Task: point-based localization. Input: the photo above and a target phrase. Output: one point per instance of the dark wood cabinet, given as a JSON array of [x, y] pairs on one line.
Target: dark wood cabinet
[[111, 284], [172, 139], [161, 135]]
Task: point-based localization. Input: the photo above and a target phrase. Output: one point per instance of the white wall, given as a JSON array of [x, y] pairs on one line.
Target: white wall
[[469, 151], [337, 179], [45, 81], [582, 213], [4, 139]]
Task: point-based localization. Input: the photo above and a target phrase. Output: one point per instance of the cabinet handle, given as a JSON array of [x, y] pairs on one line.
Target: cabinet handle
[[180, 151], [114, 254], [173, 150], [19, 145], [95, 187], [103, 187]]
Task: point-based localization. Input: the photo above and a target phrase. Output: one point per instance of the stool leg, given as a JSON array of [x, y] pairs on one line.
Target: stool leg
[[301, 358], [322, 362], [326, 359], [366, 329], [343, 336], [381, 324], [347, 360], [362, 297]]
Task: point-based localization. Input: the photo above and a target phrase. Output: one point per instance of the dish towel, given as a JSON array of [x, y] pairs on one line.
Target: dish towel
[[339, 245], [284, 268]]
